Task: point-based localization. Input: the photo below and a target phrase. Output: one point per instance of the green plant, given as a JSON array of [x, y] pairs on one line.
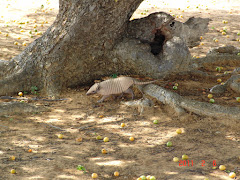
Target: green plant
[[114, 76], [81, 168], [34, 90]]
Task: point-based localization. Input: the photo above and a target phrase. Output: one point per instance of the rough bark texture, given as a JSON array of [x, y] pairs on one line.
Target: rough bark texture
[[90, 39]]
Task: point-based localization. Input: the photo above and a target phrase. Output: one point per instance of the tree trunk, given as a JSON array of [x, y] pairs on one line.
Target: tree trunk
[[90, 39]]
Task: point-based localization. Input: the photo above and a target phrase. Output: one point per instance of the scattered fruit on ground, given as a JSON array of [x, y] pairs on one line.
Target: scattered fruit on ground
[[94, 175], [155, 121], [175, 159], [222, 167], [99, 137], [131, 138], [169, 144], [185, 157], [104, 151], [106, 139], [210, 96], [116, 173], [79, 139], [148, 177], [179, 131], [232, 174], [12, 158], [219, 80], [20, 93], [143, 177], [238, 99], [15, 43], [100, 116], [30, 150], [122, 124], [13, 171], [152, 178], [60, 136], [211, 100], [175, 87]]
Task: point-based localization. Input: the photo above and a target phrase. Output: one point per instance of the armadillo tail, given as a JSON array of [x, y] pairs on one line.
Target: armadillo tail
[[142, 83]]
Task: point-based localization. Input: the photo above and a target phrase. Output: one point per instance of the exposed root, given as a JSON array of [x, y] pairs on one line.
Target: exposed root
[[232, 83], [180, 104]]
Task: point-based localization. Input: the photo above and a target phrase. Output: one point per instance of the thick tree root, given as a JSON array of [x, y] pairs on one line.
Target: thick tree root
[[232, 83], [180, 104]]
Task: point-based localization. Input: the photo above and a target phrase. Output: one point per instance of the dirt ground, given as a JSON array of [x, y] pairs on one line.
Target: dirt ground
[[209, 142]]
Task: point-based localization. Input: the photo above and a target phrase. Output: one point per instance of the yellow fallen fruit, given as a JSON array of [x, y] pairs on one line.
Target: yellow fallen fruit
[[116, 173], [12, 158], [24, 44], [131, 138], [232, 174], [94, 175], [122, 124], [13, 171], [15, 43], [185, 157], [106, 139], [179, 131], [20, 93], [222, 167], [79, 139], [148, 177], [210, 96], [104, 151], [219, 80], [175, 159], [60, 136], [99, 137], [30, 150]]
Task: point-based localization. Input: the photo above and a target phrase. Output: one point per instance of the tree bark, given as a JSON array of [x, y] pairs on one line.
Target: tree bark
[[90, 39]]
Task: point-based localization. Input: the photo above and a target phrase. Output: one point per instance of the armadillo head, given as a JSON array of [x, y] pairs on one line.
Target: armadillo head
[[94, 89]]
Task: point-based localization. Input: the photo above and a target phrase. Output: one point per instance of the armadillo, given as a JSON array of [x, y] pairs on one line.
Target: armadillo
[[118, 85]]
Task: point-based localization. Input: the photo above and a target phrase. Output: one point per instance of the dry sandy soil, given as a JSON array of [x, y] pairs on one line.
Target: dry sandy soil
[[209, 142]]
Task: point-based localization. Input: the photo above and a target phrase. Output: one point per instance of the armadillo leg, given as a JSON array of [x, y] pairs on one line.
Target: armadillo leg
[[119, 97], [102, 99], [130, 91]]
